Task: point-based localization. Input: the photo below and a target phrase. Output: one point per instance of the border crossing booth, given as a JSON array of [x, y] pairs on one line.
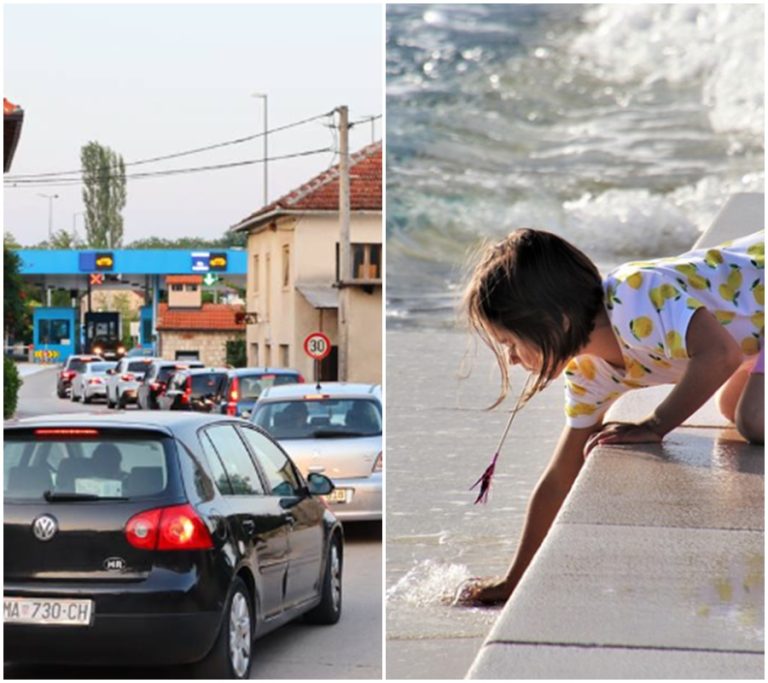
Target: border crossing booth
[[59, 332], [55, 333]]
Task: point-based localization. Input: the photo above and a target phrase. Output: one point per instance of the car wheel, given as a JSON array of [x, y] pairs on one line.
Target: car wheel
[[86, 398], [110, 402], [230, 656], [121, 402], [329, 609], [61, 393], [73, 398]]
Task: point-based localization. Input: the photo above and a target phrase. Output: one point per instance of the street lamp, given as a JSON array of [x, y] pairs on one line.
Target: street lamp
[[50, 198], [74, 224], [264, 97]]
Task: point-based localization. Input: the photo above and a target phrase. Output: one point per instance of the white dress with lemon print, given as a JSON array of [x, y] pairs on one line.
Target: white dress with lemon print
[[651, 303]]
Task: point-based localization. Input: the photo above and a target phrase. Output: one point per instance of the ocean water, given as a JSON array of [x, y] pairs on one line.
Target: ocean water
[[622, 128]]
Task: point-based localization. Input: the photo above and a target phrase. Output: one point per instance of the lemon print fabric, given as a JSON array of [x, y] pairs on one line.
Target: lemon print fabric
[[651, 304]]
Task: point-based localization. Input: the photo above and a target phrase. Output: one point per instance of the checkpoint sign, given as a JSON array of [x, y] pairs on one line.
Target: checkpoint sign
[[317, 345]]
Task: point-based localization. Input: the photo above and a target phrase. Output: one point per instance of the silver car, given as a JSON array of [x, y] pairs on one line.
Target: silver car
[[334, 429], [123, 382], [91, 381]]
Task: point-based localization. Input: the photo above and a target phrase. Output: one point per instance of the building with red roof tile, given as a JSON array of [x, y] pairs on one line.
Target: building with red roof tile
[[293, 272]]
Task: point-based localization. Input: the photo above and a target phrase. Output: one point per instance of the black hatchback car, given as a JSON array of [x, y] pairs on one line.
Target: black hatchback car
[[197, 389], [176, 538], [244, 386]]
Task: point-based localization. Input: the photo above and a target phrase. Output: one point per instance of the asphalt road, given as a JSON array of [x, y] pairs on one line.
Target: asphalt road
[[352, 649]]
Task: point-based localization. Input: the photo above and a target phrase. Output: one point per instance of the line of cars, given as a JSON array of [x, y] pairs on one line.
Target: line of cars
[[183, 533]]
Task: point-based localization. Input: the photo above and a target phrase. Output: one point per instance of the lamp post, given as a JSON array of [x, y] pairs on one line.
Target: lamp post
[[50, 198], [74, 224], [263, 96]]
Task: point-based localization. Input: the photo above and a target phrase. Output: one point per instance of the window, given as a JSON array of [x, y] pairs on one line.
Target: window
[[284, 354], [103, 467], [366, 261], [190, 288], [286, 265], [254, 360], [54, 331], [177, 288], [281, 475], [255, 272], [239, 470]]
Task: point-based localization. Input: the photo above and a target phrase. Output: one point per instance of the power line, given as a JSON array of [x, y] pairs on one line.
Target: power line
[[175, 155], [56, 182]]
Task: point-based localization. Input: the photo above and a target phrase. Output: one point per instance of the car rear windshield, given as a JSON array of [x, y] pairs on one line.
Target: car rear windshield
[[88, 468], [210, 384], [251, 386], [100, 367], [167, 370], [138, 366], [77, 364], [320, 418]]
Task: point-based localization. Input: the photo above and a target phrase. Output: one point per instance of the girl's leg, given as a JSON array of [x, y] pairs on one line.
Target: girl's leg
[[729, 394], [750, 409]]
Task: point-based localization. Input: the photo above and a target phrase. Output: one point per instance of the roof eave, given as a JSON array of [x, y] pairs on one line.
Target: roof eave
[[259, 223]]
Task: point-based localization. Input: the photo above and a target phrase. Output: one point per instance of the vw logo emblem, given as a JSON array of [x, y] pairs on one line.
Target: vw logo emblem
[[44, 528]]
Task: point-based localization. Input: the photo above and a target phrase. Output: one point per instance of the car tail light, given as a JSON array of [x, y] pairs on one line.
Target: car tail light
[[157, 387], [127, 377], [234, 390], [187, 395], [172, 528], [232, 409], [67, 375], [378, 465], [301, 379], [69, 431]]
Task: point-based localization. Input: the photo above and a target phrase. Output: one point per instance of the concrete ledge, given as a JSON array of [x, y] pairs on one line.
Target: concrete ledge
[[654, 567]]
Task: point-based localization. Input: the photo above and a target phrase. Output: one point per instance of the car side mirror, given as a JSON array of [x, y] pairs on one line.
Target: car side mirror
[[319, 484]]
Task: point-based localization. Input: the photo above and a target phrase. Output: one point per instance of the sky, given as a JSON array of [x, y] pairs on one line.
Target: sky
[[148, 80]]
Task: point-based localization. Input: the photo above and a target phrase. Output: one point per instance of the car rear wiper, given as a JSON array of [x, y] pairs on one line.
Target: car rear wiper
[[54, 496], [326, 433]]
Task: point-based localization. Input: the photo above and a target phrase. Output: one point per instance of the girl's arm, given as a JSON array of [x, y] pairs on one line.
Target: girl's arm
[[714, 356], [547, 497]]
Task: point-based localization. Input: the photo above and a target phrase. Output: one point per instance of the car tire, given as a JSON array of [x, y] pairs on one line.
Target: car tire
[[110, 403], [61, 393], [232, 651], [329, 610], [86, 398], [73, 398], [121, 404]]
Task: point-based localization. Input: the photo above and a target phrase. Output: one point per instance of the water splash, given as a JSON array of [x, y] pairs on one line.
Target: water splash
[[429, 583]]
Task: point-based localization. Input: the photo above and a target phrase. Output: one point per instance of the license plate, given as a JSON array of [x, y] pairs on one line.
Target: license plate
[[47, 611], [340, 496]]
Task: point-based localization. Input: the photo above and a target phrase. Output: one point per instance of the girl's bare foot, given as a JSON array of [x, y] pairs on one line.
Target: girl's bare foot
[[483, 591]]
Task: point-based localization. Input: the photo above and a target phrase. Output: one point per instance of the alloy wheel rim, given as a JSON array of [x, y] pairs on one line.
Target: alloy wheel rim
[[239, 634], [335, 577]]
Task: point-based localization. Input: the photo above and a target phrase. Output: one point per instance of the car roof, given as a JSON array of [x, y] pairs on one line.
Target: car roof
[[168, 421], [335, 389], [239, 372], [139, 359], [205, 371]]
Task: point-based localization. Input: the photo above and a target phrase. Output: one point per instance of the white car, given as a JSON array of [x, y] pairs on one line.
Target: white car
[[123, 382], [335, 429], [91, 381]]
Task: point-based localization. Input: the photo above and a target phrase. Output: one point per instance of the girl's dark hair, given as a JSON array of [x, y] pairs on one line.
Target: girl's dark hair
[[543, 290]]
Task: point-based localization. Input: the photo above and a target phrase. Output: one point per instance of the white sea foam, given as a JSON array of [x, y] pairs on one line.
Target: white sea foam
[[429, 583], [720, 46]]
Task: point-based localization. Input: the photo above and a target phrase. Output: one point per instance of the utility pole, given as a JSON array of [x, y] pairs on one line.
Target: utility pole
[[345, 249], [50, 198], [263, 96]]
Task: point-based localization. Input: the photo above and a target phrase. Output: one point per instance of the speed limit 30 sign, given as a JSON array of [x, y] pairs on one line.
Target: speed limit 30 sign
[[317, 345]]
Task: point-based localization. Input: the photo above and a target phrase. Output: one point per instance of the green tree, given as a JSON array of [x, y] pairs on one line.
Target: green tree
[[104, 195], [14, 306]]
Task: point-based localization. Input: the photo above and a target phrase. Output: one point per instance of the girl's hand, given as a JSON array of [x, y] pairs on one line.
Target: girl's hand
[[621, 432], [487, 591]]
